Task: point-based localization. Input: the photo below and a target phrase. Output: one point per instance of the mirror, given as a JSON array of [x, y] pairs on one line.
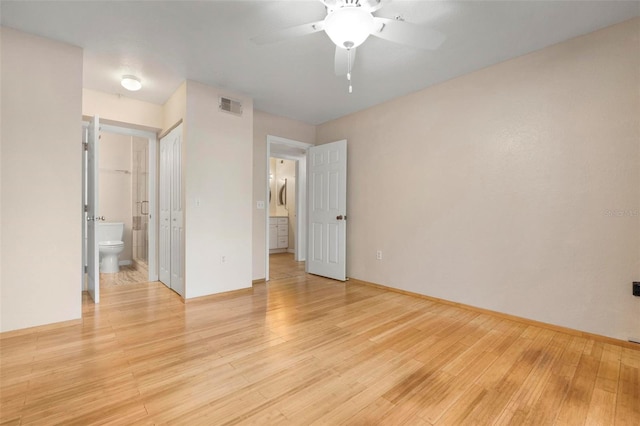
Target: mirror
[[282, 192]]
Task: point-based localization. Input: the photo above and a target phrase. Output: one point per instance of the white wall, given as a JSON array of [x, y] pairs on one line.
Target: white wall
[[218, 175], [265, 124], [41, 98], [515, 188], [115, 184]]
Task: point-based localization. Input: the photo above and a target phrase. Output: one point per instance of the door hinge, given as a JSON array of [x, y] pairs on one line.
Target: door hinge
[[86, 208], [85, 146], [85, 269]]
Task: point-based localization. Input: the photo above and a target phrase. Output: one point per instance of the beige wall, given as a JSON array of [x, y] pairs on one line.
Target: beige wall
[[41, 98], [514, 188], [175, 109], [115, 184], [111, 107], [218, 176], [265, 124]]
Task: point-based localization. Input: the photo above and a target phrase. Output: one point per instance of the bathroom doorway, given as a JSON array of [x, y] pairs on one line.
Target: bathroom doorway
[[286, 217], [124, 192]]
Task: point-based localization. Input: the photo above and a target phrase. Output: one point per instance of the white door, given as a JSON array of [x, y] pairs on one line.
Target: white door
[[327, 195], [164, 237], [93, 262], [171, 241], [177, 220]]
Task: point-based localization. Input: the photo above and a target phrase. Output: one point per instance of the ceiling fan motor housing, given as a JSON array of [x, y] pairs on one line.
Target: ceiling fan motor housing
[[349, 26], [368, 5]]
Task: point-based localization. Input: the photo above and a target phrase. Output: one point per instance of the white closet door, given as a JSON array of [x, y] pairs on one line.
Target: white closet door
[[164, 237], [177, 215], [171, 238]]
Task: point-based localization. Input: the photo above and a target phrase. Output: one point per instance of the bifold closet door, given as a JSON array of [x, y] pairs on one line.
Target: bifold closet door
[[177, 215], [171, 238]]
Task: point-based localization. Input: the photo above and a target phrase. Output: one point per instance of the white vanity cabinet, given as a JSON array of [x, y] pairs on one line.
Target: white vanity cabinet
[[278, 233]]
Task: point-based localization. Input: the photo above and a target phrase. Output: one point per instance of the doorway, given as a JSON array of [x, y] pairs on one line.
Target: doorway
[[126, 194], [279, 192]]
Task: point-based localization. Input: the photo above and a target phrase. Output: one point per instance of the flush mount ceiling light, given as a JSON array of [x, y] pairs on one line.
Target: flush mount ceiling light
[[131, 83], [349, 27]]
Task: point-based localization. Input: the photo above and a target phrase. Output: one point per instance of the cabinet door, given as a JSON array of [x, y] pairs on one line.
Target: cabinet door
[[283, 230], [283, 242], [273, 236]]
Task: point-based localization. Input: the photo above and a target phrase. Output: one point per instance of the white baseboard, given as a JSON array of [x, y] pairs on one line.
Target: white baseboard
[[125, 262], [291, 251]]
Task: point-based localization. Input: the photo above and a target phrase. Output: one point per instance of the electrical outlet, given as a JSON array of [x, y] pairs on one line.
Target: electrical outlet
[[260, 205], [379, 255], [223, 259]]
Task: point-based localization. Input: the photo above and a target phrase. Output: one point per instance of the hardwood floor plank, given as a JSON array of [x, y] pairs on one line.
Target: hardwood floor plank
[[576, 405], [628, 395], [307, 350]]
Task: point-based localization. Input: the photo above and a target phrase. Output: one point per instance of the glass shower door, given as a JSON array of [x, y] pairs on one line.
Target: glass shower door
[[140, 192]]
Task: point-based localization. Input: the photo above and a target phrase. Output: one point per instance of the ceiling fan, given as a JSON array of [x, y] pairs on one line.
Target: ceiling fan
[[350, 22]]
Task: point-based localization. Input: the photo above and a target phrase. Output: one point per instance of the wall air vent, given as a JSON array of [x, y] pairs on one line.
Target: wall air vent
[[230, 105]]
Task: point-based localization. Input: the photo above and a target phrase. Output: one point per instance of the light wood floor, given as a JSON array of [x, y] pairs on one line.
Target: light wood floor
[[306, 350], [128, 274], [282, 265]]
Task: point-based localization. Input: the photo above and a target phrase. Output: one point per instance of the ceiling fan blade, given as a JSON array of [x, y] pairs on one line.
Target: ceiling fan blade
[[342, 59], [297, 31], [409, 34]]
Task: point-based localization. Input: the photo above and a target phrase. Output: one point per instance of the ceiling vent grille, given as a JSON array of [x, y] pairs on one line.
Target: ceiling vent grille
[[230, 105]]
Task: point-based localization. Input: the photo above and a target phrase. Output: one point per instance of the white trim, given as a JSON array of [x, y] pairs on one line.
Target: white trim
[[125, 262], [301, 194], [127, 131]]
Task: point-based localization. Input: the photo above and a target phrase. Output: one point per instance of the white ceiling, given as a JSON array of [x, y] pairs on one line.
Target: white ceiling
[[166, 42]]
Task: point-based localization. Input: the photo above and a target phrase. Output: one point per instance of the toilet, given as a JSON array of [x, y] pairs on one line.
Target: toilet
[[110, 245]]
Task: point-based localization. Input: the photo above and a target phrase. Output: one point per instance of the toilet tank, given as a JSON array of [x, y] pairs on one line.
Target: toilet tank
[[110, 231]]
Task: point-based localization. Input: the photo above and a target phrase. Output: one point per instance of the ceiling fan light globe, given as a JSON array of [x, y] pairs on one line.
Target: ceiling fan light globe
[[349, 27]]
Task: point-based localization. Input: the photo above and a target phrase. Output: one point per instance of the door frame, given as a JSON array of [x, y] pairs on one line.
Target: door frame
[[301, 195], [122, 129]]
